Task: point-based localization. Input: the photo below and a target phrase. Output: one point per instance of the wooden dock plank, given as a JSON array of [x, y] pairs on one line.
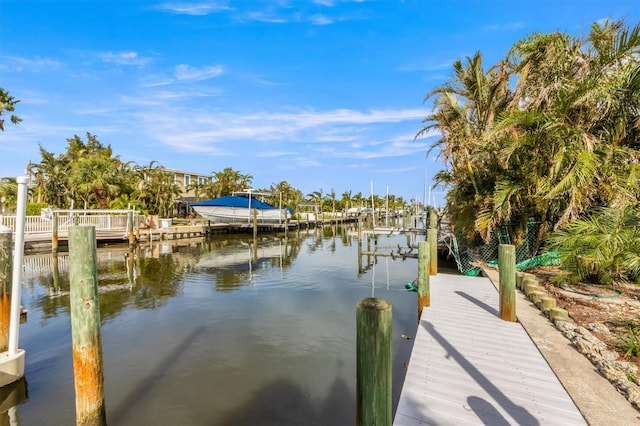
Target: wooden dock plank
[[470, 367]]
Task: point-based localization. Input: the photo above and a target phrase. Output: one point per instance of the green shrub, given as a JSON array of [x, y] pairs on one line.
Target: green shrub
[[601, 248], [33, 209]]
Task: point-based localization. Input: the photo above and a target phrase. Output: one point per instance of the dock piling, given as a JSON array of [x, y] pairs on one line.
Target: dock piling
[[507, 274], [373, 387], [85, 326], [54, 233], [424, 291], [432, 238]]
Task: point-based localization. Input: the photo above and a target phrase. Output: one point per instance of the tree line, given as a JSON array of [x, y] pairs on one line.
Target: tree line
[[89, 176], [549, 134]]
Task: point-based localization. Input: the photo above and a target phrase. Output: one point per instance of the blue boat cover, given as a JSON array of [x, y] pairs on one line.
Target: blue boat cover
[[236, 201]]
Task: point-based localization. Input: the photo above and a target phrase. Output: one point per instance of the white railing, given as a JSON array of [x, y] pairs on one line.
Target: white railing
[[101, 219]]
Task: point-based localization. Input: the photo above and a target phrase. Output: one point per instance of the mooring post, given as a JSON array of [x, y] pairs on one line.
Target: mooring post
[[137, 225], [373, 387], [132, 238], [433, 218], [360, 244], [255, 223], [424, 290], [507, 277], [54, 233], [85, 326], [432, 238], [6, 270]]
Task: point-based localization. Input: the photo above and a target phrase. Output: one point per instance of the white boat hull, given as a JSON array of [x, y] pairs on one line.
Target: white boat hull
[[241, 214]]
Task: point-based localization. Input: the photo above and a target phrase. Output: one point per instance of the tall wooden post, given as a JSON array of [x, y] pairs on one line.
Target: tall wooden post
[[85, 326], [507, 276], [373, 388], [424, 291], [360, 270], [6, 270], [255, 223], [137, 225], [132, 237], [432, 238], [433, 218], [54, 233]]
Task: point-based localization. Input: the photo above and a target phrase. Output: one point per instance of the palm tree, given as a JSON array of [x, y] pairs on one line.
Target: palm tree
[[330, 199], [316, 197], [229, 181], [51, 180], [156, 190], [567, 140], [7, 105], [346, 200], [465, 109], [291, 196], [96, 178]]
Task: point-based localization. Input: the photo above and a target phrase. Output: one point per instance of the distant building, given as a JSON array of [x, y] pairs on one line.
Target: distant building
[[185, 180]]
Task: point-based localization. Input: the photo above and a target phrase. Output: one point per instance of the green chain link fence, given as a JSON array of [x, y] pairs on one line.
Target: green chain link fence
[[526, 256]]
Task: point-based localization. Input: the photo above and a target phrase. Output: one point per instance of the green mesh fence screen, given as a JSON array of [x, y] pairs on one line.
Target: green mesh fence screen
[[526, 256]]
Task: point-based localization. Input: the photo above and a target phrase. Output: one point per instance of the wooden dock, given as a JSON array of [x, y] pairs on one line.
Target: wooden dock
[[469, 367]]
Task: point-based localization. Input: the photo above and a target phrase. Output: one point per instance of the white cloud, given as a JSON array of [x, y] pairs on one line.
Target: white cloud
[[186, 72], [319, 19], [328, 3], [124, 58], [341, 133], [269, 18], [195, 9], [37, 64]]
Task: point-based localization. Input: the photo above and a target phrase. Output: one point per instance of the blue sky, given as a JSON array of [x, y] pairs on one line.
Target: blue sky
[[327, 94]]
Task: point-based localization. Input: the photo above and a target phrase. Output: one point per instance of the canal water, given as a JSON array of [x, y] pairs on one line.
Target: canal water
[[217, 331]]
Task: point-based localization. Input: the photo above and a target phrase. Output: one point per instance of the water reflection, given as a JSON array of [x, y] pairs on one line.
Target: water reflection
[[227, 330]]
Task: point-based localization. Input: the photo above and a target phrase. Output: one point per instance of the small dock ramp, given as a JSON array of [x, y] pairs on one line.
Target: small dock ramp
[[468, 367]]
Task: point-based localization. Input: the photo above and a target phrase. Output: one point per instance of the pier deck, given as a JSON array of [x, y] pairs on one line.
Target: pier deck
[[468, 367]]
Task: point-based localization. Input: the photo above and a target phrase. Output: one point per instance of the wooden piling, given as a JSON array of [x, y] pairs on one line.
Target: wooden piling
[[507, 276], [432, 238], [6, 271], [132, 237], [54, 233], [255, 223], [424, 291], [85, 326], [373, 384], [433, 218]]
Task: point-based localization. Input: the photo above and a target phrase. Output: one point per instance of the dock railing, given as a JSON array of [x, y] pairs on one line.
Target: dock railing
[[103, 220]]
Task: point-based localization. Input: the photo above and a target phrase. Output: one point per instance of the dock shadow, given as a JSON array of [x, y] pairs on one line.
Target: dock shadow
[[118, 413], [488, 308], [283, 403], [517, 412]]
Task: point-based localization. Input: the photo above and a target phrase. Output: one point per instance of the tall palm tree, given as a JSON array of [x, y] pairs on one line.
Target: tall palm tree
[[229, 181], [7, 105], [96, 178], [569, 139], [465, 109]]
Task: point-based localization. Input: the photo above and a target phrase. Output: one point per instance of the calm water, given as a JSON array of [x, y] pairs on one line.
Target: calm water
[[217, 331]]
